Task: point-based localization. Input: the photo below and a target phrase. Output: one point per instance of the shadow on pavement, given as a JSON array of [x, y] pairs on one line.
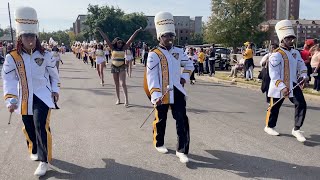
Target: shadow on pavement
[[308, 107], [61, 77], [251, 166], [200, 111], [112, 170], [213, 84], [190, 110], [97, 91], [313, 141]]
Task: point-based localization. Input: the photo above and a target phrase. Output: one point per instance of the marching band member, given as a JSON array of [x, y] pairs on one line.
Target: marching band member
[[100, 60], [56, 55], [285, 64], [118, 66], [30, 76], [164, 69]]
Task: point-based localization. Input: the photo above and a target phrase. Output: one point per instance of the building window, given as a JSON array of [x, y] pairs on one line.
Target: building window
[[186, 31], [181, 38], [181, 31], [186, 38]]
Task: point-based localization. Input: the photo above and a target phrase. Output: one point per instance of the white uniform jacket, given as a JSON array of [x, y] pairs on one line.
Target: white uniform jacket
[[28, 75], [284, 68], [168, 71]]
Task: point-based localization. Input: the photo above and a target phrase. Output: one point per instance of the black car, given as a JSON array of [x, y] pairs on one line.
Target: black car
[[222, 58]]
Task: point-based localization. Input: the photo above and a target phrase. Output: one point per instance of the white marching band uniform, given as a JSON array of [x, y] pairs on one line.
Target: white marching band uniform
[[286, 67], [164, 69], [276, 71], [32, 78], [176, 58], [42, 70]]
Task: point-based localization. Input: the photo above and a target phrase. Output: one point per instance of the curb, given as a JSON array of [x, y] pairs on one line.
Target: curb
[[309, 97]]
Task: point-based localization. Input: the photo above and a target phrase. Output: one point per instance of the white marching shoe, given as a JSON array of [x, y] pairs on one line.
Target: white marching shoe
[[41, 169], [34, 157], [162, 149], [298, 135], [271, 131], [183, 157]]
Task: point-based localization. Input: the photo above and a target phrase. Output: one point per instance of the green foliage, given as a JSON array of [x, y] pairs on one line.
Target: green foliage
[[234, 22], [59, 36], [196, 38], [115, 23], [1, 32]]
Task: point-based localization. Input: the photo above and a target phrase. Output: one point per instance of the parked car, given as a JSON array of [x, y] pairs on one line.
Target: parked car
[[222, 58], [261, 52]]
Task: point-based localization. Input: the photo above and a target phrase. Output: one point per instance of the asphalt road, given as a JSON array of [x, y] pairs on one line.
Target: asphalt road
[[95, 139]]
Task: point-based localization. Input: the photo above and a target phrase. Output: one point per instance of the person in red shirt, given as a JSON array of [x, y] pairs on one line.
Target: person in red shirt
[[306, 55]]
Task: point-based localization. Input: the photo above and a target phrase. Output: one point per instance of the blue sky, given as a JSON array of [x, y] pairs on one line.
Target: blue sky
[[59, 14]]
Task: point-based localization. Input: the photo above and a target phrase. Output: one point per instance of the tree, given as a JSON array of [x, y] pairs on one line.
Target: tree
[[234, 21], [59, 36], [196, 38], [115, 23], [1, 32]]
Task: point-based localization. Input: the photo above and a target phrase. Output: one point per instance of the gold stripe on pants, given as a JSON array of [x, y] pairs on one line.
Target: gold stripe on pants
[[49, 137], [30, 144], [269, 111]]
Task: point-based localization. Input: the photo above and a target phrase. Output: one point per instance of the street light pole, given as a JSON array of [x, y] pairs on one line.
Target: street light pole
[[298, 27], [10, 22], [305, 33]]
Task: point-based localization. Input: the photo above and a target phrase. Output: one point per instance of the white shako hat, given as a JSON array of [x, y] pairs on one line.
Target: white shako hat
[[284, 29], [26, 21], [164, 23]]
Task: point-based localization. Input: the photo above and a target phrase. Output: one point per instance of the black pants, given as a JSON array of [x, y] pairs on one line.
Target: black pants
[[316, 85], [37, 131], [85, 59], [309, 70], [300, 109], [93, 63], [107, 57], [212, 66], [182, 123], [200, 70]]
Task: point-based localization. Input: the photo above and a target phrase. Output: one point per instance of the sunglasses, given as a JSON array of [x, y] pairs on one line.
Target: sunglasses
[[29, 35]]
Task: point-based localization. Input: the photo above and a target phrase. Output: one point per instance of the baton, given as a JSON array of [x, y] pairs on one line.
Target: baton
[[55, 103], [13, 102], [269, 108], [168, 89]]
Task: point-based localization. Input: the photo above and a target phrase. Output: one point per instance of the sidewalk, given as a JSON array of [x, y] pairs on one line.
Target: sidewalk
[[222, 77]]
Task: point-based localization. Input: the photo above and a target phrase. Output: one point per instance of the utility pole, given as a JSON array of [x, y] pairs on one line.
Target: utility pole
[[10, 22], [298, 27]]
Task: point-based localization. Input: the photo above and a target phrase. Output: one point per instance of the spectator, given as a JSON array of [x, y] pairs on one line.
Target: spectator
[[207, 54], [264, 73], [212, 60], [201, 59], [248, 63], [315, 64], [306, 55], [238, 66], [193, 57]]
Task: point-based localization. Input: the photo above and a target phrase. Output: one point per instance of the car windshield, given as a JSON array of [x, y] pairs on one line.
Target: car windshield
[[222, 51]]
